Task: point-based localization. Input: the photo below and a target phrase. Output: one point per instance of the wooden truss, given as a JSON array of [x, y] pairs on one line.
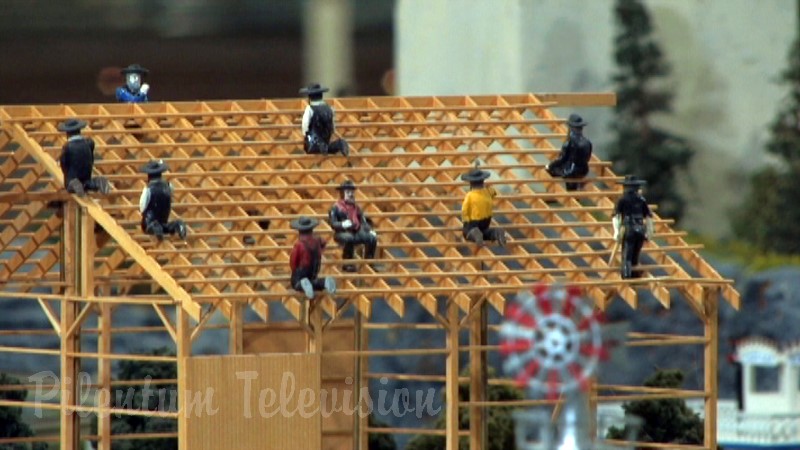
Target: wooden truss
[[238, 165]]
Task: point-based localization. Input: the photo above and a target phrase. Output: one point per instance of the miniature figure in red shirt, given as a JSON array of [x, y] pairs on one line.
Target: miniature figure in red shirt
[[306, 260]]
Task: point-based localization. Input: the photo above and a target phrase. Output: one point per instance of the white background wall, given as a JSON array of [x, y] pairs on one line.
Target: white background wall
[[726, 56]]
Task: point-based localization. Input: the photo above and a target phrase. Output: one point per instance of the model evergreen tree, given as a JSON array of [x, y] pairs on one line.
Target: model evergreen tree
[[11, 424], [640, 148], [123, 398], [500, 422], [664, 421], [769, 217]]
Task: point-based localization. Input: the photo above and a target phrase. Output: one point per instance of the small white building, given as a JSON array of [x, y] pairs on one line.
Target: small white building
[[770, 417]]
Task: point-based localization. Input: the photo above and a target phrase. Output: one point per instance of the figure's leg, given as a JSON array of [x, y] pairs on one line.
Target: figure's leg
[[318, 284], [497, 235], [340, 146], [347, 241], [307, 288], [626, 256], [156, 229], [329, 285], [370, 243], [176, 227], [74, 186], [474, 234], [98, 184], [637, 248], [313, 145], [301, 282]]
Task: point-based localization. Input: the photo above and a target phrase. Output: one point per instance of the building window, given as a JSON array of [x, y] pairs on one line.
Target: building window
[[766, 379]]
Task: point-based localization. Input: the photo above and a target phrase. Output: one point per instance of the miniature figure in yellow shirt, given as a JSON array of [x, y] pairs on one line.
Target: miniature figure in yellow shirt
[[476, 211]]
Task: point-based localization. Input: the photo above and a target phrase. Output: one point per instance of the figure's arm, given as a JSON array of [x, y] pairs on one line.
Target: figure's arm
[[294, 258], [144, 199], [648, 220], [91, 152], [466, 209], [307, 118], [363, 219], [333, 218], [339, 225], [64, 161], [616, 221]]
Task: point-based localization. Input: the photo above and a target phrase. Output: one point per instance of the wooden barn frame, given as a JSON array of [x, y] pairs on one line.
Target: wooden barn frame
[[238, 164]]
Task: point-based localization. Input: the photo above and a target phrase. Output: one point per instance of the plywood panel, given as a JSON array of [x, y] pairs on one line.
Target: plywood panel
[[339, 399], [231, 416]]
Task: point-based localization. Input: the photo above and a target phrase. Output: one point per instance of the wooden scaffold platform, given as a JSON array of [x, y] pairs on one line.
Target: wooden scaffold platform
[[237, 165]]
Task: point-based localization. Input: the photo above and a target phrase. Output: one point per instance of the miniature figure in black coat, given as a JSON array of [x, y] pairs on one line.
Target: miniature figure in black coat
[[573, 161], [155, 204], [318, 124], [633, 223], [350, 226], [77, 161]]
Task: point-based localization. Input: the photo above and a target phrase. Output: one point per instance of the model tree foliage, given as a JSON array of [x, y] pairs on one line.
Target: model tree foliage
[[120, 398], [500, 422], [665, 421], [769, 217], [639, 147], [11, 424]]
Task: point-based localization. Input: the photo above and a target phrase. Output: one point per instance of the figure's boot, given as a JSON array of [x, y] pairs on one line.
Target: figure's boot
[[307, 287], [347, 255], [330, 285], [626, 270], [182, 230], [103, 186], [475, 235], [76, 187], [345, 148], [501, 237], [156, 230]]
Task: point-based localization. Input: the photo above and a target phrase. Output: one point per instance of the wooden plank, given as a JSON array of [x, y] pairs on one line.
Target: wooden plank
[[55, 322], [122, 237], [711, 356], [583, 99]]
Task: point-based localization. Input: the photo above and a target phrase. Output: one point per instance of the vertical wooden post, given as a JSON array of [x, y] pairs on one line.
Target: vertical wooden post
[[183, 333], [711, 319], [68, 313], [314, 337], [235, 334], [77, 271], [360, 424], [451, 377], [104, 393], [478, 377]]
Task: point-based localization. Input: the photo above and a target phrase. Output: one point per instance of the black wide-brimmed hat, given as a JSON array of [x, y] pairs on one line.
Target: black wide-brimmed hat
[[313, 89], [475, 175], [304, 224], [347, 186], [576, 121], [632, 180], [71, 125], [155, 167], [135, 68]]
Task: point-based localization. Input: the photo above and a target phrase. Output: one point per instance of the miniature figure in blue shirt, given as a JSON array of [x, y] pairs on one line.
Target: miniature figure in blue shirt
[[133, 91]]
